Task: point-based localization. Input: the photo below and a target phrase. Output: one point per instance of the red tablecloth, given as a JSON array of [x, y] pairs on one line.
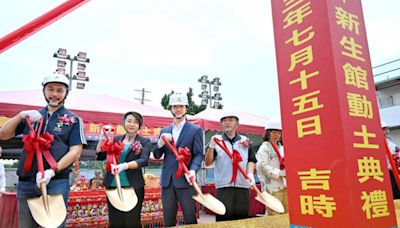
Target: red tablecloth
[[255, 206], [89, 208], [8, 210]]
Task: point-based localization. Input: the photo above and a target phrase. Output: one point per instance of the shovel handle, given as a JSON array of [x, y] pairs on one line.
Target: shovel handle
[[173, 149], [117, 180], [230, 156]]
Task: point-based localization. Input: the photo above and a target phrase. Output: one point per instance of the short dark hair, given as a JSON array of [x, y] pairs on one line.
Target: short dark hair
[[267, 135], [137, 116]]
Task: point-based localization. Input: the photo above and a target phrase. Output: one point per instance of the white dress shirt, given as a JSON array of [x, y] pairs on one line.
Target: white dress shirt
[[177, 129]]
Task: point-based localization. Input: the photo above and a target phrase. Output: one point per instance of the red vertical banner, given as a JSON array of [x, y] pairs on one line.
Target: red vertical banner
[[336, 166]]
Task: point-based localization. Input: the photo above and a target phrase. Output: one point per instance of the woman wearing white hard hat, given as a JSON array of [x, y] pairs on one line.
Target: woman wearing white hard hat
[[394, 149], [174, 190], [232, 188], [270, 163]]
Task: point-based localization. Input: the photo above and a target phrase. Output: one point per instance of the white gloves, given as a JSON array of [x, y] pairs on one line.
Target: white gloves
[[161, 142], [120, 167], [282, 173], [212, 142], [252, 181], [189, 175], [48, 174], [34, 115]]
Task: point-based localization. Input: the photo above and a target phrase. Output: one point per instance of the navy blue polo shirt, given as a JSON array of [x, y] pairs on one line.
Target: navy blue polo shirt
[[66, 133]]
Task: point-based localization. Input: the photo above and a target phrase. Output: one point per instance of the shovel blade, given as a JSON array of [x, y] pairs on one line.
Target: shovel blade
[[211, 203], [271, 202], [126, 202], [56, 214]]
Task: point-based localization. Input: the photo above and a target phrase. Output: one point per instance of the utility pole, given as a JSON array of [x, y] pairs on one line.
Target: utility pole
[[143, 91]]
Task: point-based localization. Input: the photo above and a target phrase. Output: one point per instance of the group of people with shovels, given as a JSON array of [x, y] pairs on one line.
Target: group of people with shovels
[[56, 134]]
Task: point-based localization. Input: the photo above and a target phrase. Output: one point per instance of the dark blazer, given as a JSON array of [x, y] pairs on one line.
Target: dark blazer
[[191, 137], [135, 176]]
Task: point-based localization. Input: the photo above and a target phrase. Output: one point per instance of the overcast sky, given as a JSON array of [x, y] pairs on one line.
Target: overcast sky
[[167, 45]]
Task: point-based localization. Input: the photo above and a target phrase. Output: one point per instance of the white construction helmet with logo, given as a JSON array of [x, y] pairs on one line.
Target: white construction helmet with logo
[[178, 99], [384, 124], [58, 78], [229, 114], [274, 124]]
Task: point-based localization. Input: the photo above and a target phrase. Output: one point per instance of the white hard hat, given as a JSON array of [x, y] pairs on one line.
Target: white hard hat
[[274, 124], [229, 114], [59, 78], [384, 124], [178, 99]]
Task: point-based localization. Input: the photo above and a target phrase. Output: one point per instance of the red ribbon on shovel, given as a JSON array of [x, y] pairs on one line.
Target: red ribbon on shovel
[[236, 159], [39, 143], [281, 159], [183, 156], [183, 159], [113, 150]]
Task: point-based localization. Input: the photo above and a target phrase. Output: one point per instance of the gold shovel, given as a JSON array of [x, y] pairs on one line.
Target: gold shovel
[[268, 200], [207, 199], [46, 210], [123, 199], [263, 197]]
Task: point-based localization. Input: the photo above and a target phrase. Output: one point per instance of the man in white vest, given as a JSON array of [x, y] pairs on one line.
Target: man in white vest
[[232, 188]]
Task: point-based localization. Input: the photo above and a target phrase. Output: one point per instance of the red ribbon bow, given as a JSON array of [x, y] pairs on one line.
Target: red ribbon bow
[[34, 141], [182, 155], [113, 149], [281, 159], [236, 159], [183, 159]]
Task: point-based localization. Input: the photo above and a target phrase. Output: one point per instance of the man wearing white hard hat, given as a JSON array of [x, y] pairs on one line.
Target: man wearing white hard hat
[[394, 149], [232, 188], [270, 163], [174, 190], [69, 138]]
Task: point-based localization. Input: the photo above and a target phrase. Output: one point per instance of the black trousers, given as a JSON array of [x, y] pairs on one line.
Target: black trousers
[[170, 198], [236, 201], [131, 218], [395, 188]]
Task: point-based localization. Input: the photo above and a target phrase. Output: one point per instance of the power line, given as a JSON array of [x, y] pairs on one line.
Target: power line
[[386, 63], [387, 72]]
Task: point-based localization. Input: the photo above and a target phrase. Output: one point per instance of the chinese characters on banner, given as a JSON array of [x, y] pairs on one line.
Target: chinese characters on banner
[[92, 130], [337, 172]]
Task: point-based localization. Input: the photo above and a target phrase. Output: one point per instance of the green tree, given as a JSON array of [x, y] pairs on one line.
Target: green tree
[[193, 107], [220, 106], [165, 100]]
